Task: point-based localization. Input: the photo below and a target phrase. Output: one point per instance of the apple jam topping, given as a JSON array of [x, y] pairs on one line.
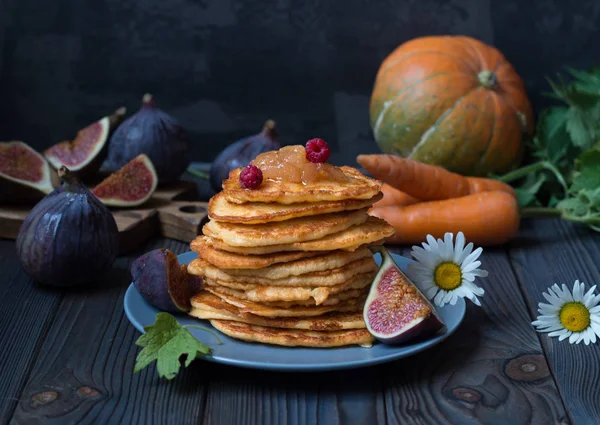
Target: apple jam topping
[[289, 165]]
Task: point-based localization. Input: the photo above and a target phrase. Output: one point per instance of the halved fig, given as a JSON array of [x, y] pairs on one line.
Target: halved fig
[[163, 282], [84, 155], [24, 173], [396, 311], [130, 186]]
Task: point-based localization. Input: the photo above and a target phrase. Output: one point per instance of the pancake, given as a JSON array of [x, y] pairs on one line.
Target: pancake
[[265, 293], [289, 310], [358, 187], [220, 209], [333, 277], [329, 261], [289, 231], [373, 231], [231, 260], [293, 337], [209, 306]]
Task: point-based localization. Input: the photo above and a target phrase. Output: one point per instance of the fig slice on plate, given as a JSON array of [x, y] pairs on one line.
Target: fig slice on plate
[[130, 186], [396, 311], [163, 282], [24, 173], [84, 155]]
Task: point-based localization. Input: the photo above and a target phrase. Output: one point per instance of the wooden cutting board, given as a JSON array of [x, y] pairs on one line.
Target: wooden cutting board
[[172, 212]]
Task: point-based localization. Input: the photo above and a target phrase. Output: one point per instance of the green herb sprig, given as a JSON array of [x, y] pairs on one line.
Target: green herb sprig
[[166, 341], [562, 176]]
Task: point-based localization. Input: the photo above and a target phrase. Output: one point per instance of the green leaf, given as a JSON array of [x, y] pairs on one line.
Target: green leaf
[[166, 341], [578, 129], [587, 173], [526, 194], [552, 137]]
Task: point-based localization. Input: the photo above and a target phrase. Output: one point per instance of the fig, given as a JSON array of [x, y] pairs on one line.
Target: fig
[[163, 282], [130, 186], [24, 174], [153, 132], [69, 238], [240, 153], [85, 154], [395, 310]]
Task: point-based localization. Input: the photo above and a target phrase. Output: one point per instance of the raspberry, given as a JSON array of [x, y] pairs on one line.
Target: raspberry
[[317, 151], [251, 177]]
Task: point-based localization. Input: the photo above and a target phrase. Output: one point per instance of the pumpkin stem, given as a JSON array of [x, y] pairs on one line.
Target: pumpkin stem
[[487, 79]]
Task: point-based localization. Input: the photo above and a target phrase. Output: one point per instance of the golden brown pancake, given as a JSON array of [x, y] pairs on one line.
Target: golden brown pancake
[[333, 277], [231, 260], [373, 231], [220, 209], [289, 231], [359, 187], [290, 310], [293, 337], [324, 261], [266, 293], [208, 306]]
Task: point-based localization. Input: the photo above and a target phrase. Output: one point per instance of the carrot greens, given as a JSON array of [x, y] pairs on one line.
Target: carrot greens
[[561, 177]]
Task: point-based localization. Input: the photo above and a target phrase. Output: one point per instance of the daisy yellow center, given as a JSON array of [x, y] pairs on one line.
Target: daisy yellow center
[[574, 316], [447, 276]]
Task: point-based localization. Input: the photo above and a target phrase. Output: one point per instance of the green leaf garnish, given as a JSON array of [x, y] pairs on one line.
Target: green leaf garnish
[[166, 341]]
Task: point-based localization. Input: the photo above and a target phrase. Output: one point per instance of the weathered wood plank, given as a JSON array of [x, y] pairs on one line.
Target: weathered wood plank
[[247, 397], [491, 371], [27, 310], [84, 371], [549, 252]]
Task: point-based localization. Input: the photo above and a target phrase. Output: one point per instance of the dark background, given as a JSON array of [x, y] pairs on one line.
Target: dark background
[[222, 67]]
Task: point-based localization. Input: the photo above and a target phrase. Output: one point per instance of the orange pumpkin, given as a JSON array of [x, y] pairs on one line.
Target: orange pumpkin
[[451, 101]]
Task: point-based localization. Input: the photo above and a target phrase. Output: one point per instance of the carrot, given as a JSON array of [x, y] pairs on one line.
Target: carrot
[[486, 218], [426, 182], [393, 196]]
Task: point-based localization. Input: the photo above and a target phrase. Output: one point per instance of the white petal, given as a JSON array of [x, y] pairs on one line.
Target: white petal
[[438, 298], [458, 247], [471, 266], [574, 337], [466, 252], [473, 256], [577, 292], [430, 293], [594, 309], [564, 335], [433, 245]]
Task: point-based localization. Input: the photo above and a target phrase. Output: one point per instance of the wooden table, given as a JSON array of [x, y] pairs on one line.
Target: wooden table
[[67, 357]]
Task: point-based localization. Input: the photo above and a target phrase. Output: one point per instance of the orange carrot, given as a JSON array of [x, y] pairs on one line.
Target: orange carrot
[[393, 196], [426, 182], [486, 218]]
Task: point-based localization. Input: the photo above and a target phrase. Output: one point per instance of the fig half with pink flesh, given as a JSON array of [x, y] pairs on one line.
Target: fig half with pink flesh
[[396, 311], [84, 155], [25, 176], [163, 282], [130, 186]]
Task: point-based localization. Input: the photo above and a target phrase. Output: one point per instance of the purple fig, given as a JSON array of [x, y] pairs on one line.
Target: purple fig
[[163, 282], [240, 153], [396, 311]]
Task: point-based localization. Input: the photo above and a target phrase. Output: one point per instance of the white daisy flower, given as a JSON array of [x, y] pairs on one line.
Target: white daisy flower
[[570, 315], [445, 272]]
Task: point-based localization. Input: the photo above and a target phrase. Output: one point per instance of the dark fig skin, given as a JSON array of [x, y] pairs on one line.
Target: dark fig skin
[[155, 133], [163, 282], [419, 329], [69, 238], [241, 152]]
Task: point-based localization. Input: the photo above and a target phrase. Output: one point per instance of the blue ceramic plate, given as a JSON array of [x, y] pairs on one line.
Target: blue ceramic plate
[[270, 357]]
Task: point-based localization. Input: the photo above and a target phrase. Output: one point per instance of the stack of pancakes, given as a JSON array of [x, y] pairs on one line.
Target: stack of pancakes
[[288, 263]]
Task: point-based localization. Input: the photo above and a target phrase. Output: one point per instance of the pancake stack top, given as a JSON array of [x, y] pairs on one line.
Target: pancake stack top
[[288, 262]]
